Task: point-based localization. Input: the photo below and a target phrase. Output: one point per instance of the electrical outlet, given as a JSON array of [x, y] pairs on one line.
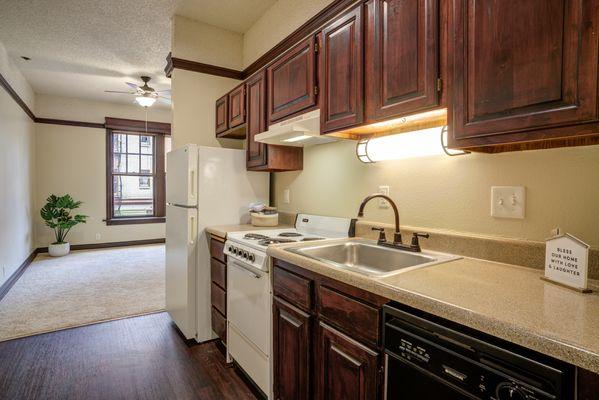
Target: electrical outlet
[[286, 196], [98, 236], [382, 202], [508, 201]]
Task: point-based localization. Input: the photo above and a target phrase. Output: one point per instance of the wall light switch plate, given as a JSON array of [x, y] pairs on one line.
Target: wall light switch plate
[[508, 201], [286, 196], [382, 202], [98, 236]]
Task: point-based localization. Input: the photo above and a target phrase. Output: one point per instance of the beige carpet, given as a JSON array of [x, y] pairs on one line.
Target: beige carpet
[[82, 288]]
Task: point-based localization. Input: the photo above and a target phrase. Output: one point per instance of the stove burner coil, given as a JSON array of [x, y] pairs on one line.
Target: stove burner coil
[[290, 234], [254, 236]]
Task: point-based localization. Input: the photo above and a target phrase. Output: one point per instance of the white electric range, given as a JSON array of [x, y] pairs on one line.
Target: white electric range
[[249, 289]]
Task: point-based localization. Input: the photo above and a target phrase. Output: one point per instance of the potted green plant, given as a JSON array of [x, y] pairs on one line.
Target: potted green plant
[[57, 215]]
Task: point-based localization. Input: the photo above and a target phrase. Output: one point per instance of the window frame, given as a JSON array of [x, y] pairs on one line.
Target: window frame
[[158, 131]]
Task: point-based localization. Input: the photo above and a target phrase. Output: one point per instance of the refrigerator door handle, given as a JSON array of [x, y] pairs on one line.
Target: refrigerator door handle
[[192, 185], [192, 229]]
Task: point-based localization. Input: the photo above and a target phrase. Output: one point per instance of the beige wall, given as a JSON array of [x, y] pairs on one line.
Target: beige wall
[[197, 41], [195, 94], [453, 193], [17, 172], [73, 160], [282, 18]]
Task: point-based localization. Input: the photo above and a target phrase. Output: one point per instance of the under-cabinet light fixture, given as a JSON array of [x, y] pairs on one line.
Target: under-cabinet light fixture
[[297, 138], [421, 143]]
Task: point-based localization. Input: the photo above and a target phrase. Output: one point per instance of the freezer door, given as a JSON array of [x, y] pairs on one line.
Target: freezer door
[[182, 176], [181, 259]]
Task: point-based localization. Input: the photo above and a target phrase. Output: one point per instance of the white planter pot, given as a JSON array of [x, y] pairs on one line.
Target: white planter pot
[[59, 250]]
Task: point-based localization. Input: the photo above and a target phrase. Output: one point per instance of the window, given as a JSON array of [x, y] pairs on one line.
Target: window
[[136, 173]]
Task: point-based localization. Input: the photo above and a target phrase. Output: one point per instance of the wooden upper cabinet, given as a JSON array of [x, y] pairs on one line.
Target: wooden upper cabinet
[[260, 156], [341, 72], [256, 119], [222, 116], [521, 68], [402, 57], [236, 107], [292, 81]]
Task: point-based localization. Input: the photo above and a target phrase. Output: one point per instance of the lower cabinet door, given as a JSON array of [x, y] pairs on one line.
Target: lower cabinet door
[[345, 368], [291, 351]]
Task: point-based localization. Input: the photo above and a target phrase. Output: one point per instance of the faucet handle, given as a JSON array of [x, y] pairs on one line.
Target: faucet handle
[[415, 244], [382, 237]]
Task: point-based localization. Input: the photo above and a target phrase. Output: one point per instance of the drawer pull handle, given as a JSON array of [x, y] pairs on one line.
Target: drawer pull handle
[[454, 374]]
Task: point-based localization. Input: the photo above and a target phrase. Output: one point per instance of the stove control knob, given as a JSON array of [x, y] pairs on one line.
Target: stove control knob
[[245, 254], [235, 250], [230, 249], [252, 258], [509, 391]]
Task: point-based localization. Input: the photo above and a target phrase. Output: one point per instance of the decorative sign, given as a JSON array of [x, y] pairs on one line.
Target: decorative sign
[[566, 261]]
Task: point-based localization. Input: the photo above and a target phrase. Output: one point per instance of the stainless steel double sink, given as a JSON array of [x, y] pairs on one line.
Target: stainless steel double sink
[[368, 258]]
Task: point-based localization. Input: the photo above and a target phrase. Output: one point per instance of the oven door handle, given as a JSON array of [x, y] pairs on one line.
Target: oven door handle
[[246, 269]]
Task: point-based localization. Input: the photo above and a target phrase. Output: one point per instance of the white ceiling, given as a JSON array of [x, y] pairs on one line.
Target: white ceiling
[[79, 48]]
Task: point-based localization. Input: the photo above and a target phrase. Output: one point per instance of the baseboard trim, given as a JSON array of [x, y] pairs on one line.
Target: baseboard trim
[[91, 246], [9, 283]]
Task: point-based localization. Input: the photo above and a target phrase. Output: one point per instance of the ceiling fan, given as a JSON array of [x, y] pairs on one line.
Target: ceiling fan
[[145, 95]]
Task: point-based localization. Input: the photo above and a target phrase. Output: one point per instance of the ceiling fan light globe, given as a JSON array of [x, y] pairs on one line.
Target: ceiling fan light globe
[[145, 101]]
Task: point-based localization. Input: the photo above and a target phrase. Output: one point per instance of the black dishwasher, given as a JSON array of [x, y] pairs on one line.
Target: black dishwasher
[[429, 358]]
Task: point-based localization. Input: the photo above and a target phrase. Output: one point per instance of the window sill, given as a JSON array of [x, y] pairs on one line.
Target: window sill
[[134, 221]]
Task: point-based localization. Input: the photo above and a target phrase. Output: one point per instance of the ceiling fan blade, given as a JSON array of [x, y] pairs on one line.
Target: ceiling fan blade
[[116, 91], [165, 100], [132, 85], [165, 91]]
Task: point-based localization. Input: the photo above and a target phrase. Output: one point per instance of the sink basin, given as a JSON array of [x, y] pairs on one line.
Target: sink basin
[[368, 258]]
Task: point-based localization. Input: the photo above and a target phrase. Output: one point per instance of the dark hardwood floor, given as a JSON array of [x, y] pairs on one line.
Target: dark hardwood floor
[[134, 358]]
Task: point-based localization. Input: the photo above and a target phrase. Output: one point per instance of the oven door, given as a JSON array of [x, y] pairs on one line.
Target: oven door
[[404, 381], [248, 299]]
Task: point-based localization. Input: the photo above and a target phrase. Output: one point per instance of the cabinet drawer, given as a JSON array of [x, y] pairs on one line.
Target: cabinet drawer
[[349, 315], [219, 298], [219, 324], [217, 250], [293, 288], [218, 273]]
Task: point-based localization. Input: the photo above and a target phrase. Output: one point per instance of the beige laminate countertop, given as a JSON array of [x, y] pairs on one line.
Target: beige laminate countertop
[[506, 301], [222, 230]]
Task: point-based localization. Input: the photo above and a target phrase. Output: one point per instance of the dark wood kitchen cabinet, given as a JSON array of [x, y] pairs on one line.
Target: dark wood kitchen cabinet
[[236, 108], [292, 81], [402, 57], [524, 74], [218, 287], [260, 156], [346, 369], [341, 72], [327, 340], [230, 114], [291, 338], [222, 115]]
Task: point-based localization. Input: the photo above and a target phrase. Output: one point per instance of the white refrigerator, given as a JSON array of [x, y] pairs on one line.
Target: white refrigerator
[[204, 186]]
